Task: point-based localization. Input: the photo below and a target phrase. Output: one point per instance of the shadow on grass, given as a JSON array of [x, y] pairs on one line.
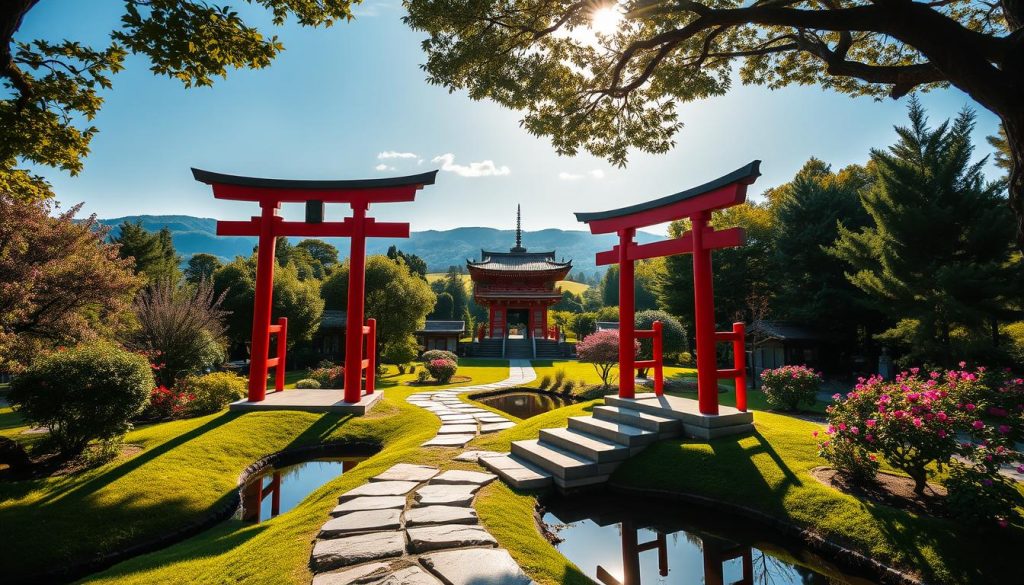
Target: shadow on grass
[[104, 479], [321, 430]]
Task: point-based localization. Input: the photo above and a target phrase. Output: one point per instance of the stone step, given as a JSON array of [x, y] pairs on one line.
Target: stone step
[[589, 446], [664, 426], [621, 433], [684, 409], [517, 472], [560, 463]]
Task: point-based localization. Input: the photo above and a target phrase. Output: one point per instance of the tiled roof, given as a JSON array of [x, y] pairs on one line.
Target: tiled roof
[[443, 327], [332, 318], [783, 330], [518, 261]]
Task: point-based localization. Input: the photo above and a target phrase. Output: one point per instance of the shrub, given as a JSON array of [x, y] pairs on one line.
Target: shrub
[[439, 354], [422, 376], [329, 377], [788, 387], [849, 458], [602, 350], [212, 392], [559, 379], [88, 392], [979, 497], [442, 370], [307, 384], [398, 354], [166, 403], [545, 381]]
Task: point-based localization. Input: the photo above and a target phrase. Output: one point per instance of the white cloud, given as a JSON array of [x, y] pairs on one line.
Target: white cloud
[[383, 167], [594, 174], [395, 154], [484, 168]]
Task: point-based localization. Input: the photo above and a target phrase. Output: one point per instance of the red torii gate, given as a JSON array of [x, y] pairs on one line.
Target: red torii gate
[[270, 194], [696, 204]]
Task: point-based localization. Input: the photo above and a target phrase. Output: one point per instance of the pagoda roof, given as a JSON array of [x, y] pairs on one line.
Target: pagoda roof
[[516, 261]]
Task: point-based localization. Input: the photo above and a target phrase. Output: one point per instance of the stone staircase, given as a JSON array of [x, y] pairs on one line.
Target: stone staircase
[[488, 348], [587, 451], [519, 349], [548, 349]]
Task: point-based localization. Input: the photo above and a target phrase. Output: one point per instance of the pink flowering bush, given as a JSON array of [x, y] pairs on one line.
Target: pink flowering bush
[[167, 403], [962, 420], [602, 350], [788, 387], [442, 370], [328, 376]]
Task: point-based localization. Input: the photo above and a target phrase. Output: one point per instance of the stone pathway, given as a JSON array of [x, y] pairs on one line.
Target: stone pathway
[[462, 422], [412, 525]]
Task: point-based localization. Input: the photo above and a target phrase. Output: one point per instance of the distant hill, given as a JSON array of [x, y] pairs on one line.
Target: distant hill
[[439, 248]]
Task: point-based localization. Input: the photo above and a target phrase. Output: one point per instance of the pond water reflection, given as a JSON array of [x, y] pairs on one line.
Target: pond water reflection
[[672, 543], [525, 404], [280, 489]]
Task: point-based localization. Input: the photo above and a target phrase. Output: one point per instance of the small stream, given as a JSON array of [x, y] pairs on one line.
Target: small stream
[[279, 489], [524, 404], [618, 542]]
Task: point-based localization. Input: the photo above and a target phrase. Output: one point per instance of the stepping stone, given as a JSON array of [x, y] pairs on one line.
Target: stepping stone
[[353, 550], [459, 476], [430, 538], [440, 515], [346, 576], [465, 406], [446, 495], [407, 472], [457, 418], [476, 566], [379, 488], [449, 440], [411, 575], [363, 521], [496, 426], [492, 418], [369, 503], [475, 456], [456, 429]]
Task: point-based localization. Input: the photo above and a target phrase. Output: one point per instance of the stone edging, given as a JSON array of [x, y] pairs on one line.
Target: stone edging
[[523, 389], [811, 539], [216, 515]]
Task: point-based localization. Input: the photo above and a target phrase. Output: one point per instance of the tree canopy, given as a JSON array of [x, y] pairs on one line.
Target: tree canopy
[[608, 78]]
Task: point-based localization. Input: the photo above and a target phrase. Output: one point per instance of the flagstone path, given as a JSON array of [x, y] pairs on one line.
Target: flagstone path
[[414, 524]]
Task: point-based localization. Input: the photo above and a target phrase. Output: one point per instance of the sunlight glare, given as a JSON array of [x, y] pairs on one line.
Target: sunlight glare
[[606, 20]]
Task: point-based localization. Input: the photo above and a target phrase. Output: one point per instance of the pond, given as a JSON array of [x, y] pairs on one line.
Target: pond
[[524, 404], [664, 542], [279, 489]]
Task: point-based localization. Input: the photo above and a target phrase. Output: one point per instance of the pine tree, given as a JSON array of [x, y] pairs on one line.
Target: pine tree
[[936, 253], [154, 254]]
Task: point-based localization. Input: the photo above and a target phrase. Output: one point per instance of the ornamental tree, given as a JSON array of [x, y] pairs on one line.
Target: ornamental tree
[[52, 89], [608, 77], [60, 283], [602, 350]]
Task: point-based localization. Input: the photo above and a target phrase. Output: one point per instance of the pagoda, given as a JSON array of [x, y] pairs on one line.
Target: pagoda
[[517, 287]]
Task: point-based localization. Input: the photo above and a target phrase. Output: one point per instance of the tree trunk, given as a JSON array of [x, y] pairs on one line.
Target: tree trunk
[[920, 478], [1014, 126]]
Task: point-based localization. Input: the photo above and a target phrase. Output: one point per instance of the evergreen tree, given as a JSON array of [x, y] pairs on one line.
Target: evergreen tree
[[416, 264], [645, 285], [812, 287], [455, 286], [201, 267], [324, 253], [154, 254], [443, 308], [936, 253]]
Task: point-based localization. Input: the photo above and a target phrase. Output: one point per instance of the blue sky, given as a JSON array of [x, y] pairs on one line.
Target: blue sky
[[337, 98]]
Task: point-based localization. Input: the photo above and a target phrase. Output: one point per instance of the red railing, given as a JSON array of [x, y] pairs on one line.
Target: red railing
[[281, 330], [368, 365], [656, 362], [738, 372]]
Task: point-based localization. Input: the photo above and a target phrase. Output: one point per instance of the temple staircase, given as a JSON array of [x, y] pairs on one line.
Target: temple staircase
[[487, 348], [548, 349], [519, 348], [592, 447]]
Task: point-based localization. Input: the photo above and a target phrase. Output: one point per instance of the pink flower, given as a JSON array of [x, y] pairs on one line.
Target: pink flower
[[942, 416], [855, 430], [1003, 523], [871, 423], [917, 422], [842, 426], [978, 425], [814, 434], [869, 438], [969, 407], [942, 434], [962, 364], [1004, 429]]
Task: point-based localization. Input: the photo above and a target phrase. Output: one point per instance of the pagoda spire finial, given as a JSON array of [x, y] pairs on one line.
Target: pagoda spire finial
[[519, 226]]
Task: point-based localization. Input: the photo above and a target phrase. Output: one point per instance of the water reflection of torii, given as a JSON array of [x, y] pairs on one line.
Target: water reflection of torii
[[716, 552]]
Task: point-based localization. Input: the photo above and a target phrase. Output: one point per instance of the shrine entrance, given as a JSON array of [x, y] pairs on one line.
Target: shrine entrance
[[518, 322], [360, 334]]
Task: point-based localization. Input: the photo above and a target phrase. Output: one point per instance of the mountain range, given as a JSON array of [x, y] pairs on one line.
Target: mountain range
[[439, 248]]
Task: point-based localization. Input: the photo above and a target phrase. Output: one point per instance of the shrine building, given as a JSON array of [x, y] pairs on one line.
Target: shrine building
[[517, 288]]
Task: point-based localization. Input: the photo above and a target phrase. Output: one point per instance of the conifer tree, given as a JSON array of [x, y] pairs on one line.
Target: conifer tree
[[936, 253]]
